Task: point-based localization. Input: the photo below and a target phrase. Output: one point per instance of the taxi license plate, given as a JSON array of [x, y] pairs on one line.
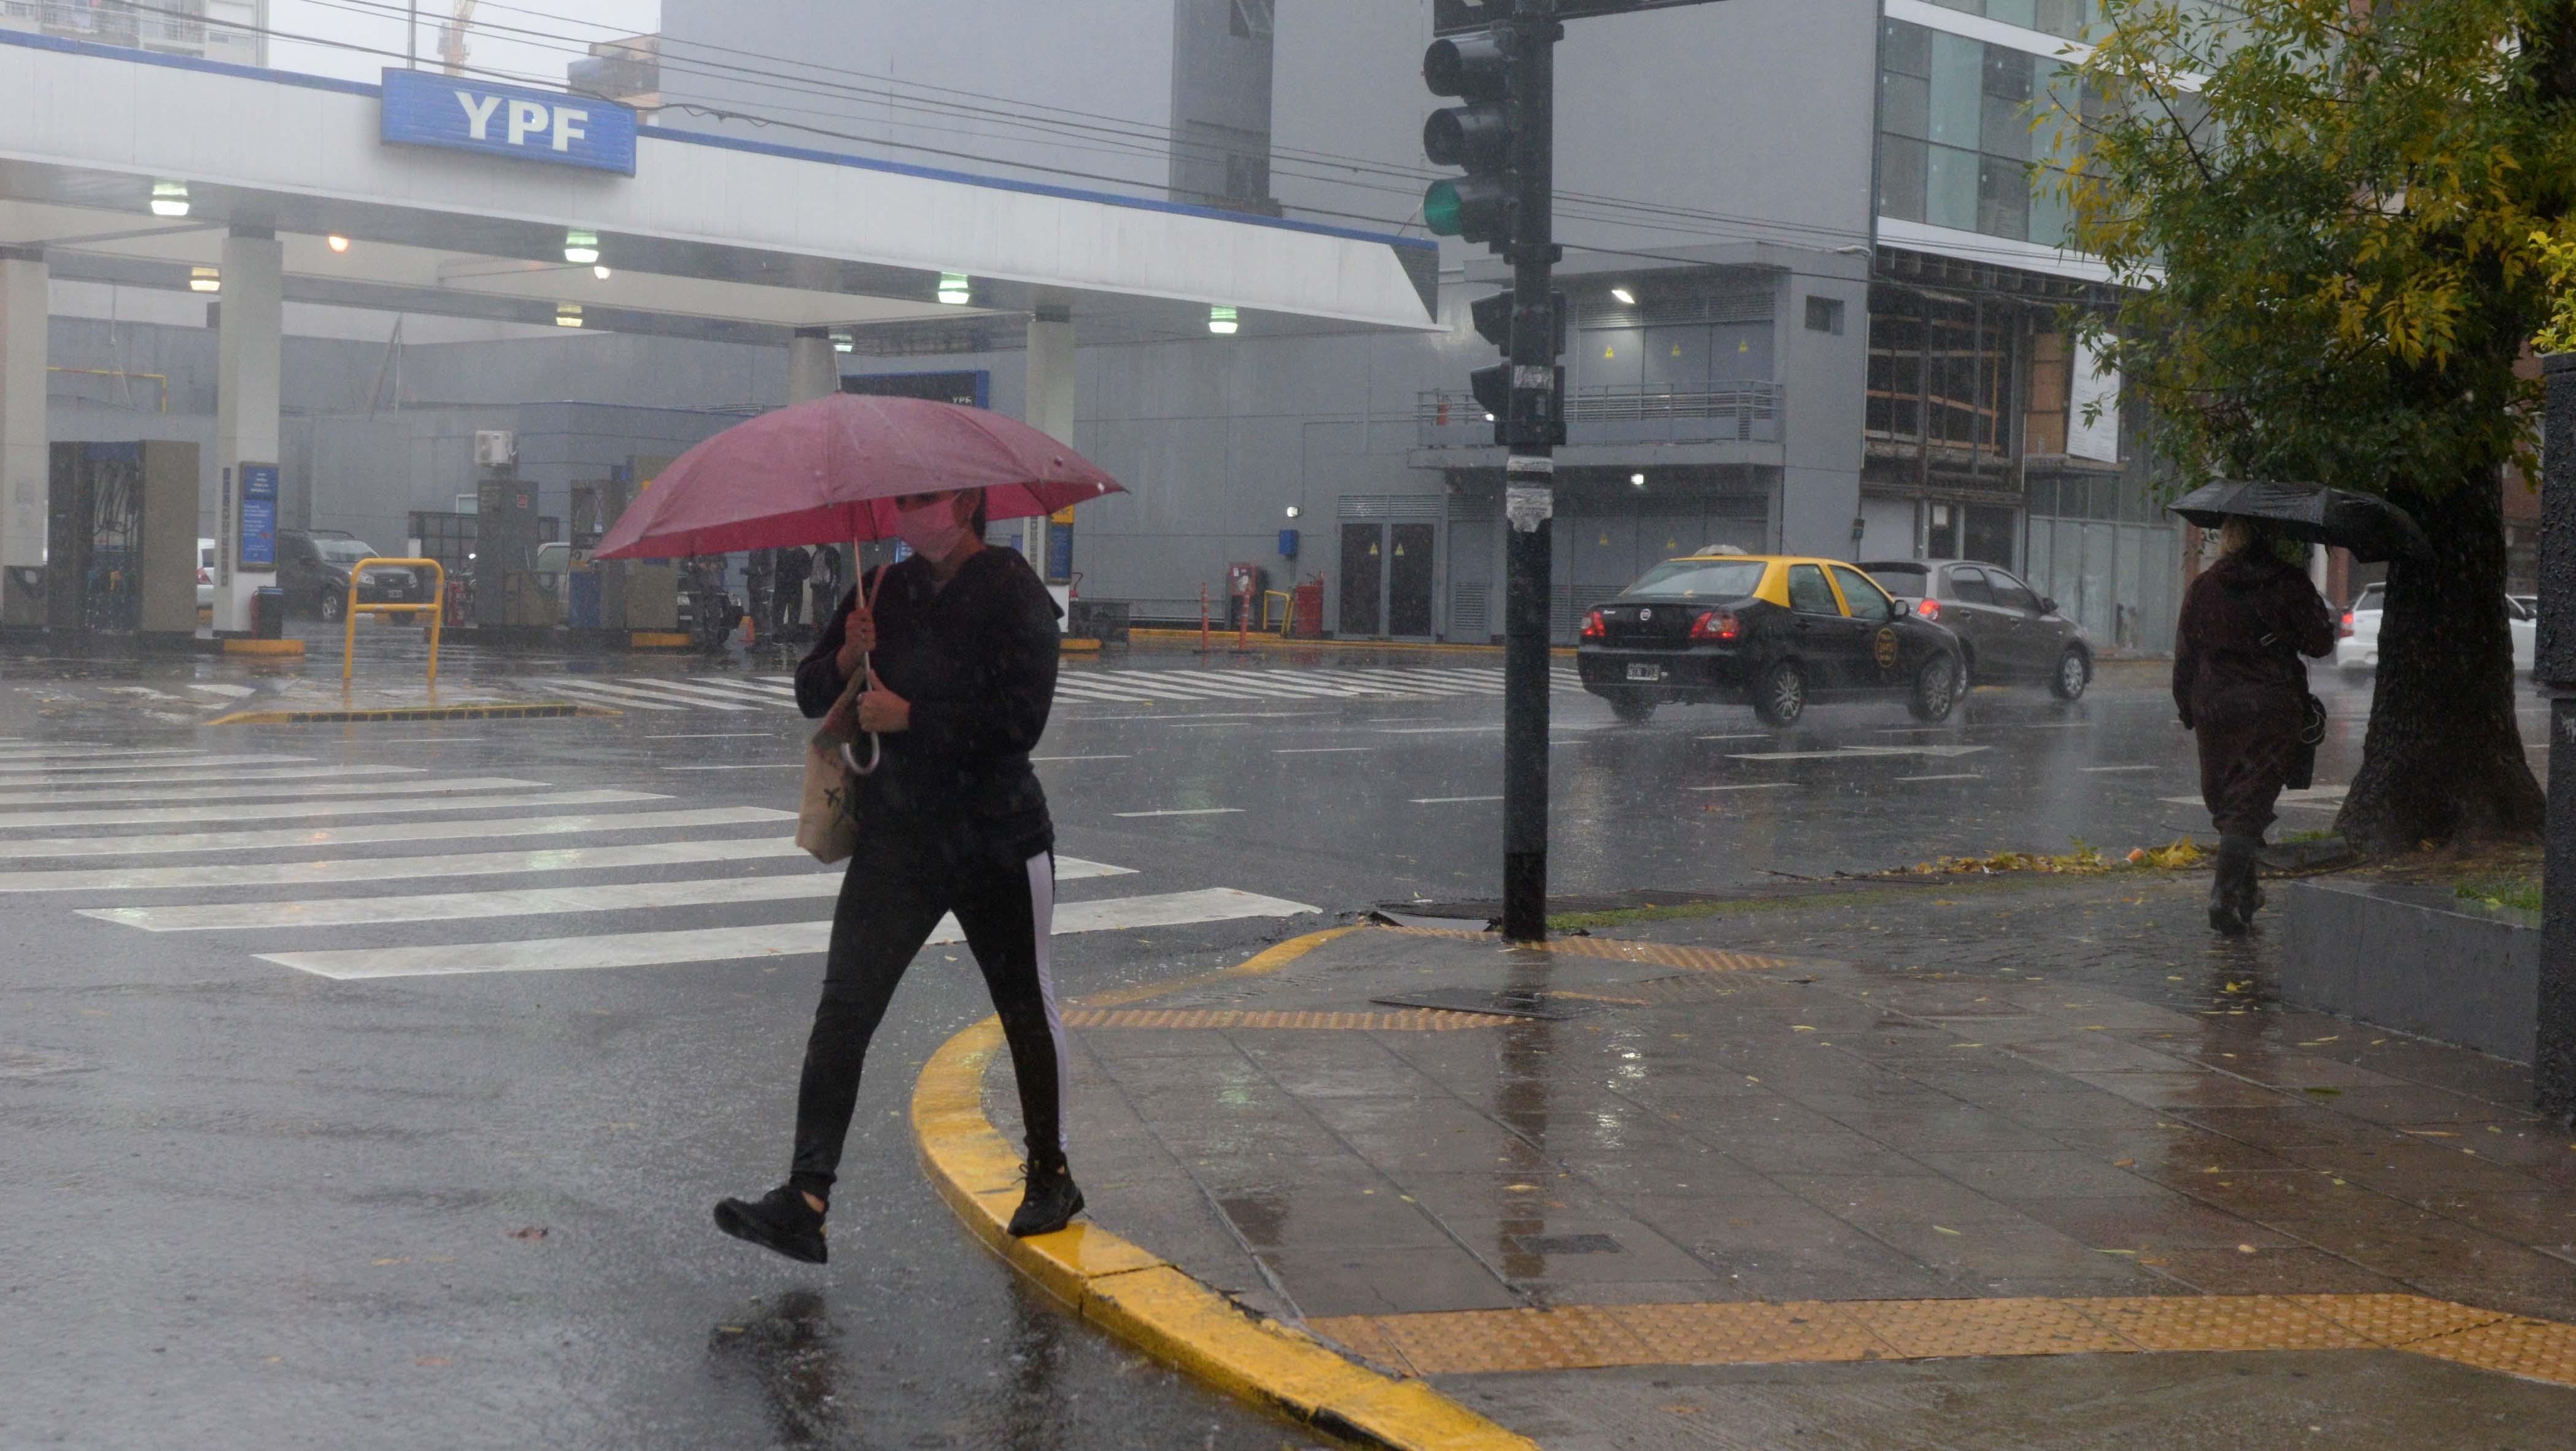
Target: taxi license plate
[[1645, 672]]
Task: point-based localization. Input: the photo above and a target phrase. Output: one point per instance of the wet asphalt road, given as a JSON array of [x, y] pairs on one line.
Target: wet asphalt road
[[247, 1205]]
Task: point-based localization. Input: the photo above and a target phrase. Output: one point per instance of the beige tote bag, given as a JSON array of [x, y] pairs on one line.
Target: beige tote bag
[[824, 826]]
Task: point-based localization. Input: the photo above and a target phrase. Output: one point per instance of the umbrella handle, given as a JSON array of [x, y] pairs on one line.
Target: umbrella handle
[[876, 749]]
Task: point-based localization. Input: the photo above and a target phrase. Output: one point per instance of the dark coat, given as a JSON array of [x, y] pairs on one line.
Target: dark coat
[[2239, 683], [977, 662]]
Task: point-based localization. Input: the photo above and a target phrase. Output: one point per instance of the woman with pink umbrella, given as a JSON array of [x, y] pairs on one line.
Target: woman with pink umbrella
[[947, 661]]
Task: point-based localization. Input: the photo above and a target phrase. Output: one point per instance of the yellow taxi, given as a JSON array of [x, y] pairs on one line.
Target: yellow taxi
[[1772, 631]]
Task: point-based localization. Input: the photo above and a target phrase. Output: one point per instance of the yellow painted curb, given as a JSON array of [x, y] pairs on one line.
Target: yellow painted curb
[[263, 647], [657, 640], [1142, 1299], [1077, 645]]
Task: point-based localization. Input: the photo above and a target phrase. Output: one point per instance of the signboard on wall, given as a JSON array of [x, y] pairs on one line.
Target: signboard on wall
[[2093, 407], [429, 108], [972, 388], [258, 543]]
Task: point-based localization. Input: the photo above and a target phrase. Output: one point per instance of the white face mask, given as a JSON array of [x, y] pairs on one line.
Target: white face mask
[[931, 530]]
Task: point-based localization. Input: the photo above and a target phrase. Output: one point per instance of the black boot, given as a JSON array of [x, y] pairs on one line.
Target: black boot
[[2230, 909], [2247, 885], [1052, 1200], [779, 1220]]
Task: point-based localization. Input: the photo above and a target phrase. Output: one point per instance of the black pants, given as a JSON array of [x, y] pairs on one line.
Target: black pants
[[791, 606], [2246, 746], [892, 898]]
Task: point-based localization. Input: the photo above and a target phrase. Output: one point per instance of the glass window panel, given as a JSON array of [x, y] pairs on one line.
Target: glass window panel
[[2008, 73], [2006, 130], [1969, 587], [1958, 85], [2023, 13], [1950, 188], [1907, 105], [2050, 217], [1901, 174], [1908, 49], [2003, 198], [1808, 592], [2062, 17]]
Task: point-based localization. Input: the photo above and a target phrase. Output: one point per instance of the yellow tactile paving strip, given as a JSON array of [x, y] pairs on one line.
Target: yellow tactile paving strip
[[1580, 1337], [1652, 954], [1413, 1021]]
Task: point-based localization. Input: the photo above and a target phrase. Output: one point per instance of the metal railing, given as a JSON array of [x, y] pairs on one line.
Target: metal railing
[[435, 606], [1618, 413]]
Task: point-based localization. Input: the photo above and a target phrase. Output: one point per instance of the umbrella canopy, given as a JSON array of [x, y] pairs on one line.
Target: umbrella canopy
[[2372, 528], [827, 472]]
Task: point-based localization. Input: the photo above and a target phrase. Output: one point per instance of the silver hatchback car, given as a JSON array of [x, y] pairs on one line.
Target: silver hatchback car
[[2007, 630]]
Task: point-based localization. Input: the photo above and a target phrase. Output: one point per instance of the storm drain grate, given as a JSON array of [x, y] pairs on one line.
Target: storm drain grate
[[1506, 1003]]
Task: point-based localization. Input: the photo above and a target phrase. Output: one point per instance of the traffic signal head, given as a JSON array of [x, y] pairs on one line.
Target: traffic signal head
[[1495, 313], [1476, 136]]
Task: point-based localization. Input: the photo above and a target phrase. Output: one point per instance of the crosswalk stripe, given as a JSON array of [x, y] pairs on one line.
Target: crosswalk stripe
[[518, 902], [406, 832], [1093, 689], [159, 791], [1418, 681], [86, 753], [703, 694], [228, 692], [750, 683], [1175, 687], [412, 868], [189, 781], [666, 697], [172, 815], [188, 762], [596, 693], [1262, 683], [721, 944]]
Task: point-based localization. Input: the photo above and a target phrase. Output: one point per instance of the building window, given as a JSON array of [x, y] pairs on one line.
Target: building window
[[1941, 372], [1825, 315], [1957, 136]]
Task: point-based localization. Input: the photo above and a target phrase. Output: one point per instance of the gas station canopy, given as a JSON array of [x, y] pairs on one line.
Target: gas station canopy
[[451, 195]]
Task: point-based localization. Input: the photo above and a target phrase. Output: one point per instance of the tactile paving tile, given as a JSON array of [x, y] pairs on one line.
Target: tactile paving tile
[[1657, 954], [2398, 1320], [1751, 1333], [2532, 1349], [1576, 1337], [1938, 1329], [2220, 1322], [1363, 1335], [1418, 1021]]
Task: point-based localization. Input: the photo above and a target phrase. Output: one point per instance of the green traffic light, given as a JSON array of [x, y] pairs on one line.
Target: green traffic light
[[1442, 212]]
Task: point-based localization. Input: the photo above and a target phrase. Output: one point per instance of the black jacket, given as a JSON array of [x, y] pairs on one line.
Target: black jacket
[[2245, 623], [977, 662]]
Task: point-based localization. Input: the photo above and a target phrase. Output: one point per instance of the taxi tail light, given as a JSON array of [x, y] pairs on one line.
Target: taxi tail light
[[1928, 608], [1594, 628], [1721, 626], [2345, 630]]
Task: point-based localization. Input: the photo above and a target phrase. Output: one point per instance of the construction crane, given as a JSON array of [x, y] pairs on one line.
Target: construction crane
[[451, 38]]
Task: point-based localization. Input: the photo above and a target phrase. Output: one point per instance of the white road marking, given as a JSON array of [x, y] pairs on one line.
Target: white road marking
[[1755, 736], [1747, 786], [2104, 770], [432, 740], [706, 694], [1448, 800], [2322, 797], [192, 779], [1950, 776], [1321, 750], [745, 766], [722, 944], [294, 838], [1189, 811], [718, 736], [229, 692], [598, 695], [173, 815], [761, 689], [519, 902], [1041, 760], [89, 794], [413, 868], [88, 753]]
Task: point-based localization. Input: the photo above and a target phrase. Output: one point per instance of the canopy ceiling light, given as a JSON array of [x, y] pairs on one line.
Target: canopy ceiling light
[[1222, 321], [1626, 298], [567, 314], [841, 343], [1638, 479], [169, 198], [205, 279], [336, 244], [602, 273], [953, 289], [581, 247]]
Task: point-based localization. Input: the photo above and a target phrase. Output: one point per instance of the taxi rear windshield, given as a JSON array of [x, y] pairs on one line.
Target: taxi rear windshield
[[1713, 579]]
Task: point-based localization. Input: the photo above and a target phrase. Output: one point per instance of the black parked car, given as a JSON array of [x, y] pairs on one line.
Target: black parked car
[[2007, 630], [1768, 631], [313, 569]]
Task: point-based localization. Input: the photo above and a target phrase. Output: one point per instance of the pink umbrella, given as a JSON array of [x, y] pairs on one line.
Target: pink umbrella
[[828, 471]]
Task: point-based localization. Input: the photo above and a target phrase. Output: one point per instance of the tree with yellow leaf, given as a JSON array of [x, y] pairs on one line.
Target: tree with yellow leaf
[[2331, 218]]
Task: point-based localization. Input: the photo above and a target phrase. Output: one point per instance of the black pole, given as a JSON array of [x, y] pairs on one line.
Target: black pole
[[2553, 1065], [1530, 473]]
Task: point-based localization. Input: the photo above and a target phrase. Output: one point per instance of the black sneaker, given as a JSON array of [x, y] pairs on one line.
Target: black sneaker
[[779, 1220], [1051, 1202]]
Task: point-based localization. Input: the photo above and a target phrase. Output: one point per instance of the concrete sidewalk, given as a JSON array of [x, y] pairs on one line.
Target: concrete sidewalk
[[1838, 1167]]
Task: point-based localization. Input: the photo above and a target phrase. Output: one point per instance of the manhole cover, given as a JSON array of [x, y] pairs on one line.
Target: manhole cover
[[1507, 1003], [1566, 1244]]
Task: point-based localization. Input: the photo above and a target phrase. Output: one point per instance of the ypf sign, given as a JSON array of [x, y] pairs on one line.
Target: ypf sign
[[426, 108]]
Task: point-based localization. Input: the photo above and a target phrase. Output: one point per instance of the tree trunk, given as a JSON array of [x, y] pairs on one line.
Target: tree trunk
[[2444, 755]]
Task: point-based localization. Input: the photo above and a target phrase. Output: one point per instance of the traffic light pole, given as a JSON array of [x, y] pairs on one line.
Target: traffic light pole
[[1530, 473]]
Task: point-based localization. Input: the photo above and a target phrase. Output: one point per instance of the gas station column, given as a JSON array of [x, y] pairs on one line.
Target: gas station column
[[24, 462], [812, 371], [1049, 408], [248, 361]]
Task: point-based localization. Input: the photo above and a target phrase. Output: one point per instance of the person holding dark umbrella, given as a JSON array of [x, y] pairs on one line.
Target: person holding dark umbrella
[[2242, 688], [959, 644]]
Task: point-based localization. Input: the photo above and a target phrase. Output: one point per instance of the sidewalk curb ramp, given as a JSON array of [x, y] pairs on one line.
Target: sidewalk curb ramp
[[1144, 1300]]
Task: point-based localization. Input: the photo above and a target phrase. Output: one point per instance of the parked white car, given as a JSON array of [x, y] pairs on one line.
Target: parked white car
[[2357, 637], [205, 574]]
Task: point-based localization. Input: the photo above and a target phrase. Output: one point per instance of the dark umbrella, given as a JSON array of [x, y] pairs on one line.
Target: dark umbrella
[[2372, 528]]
